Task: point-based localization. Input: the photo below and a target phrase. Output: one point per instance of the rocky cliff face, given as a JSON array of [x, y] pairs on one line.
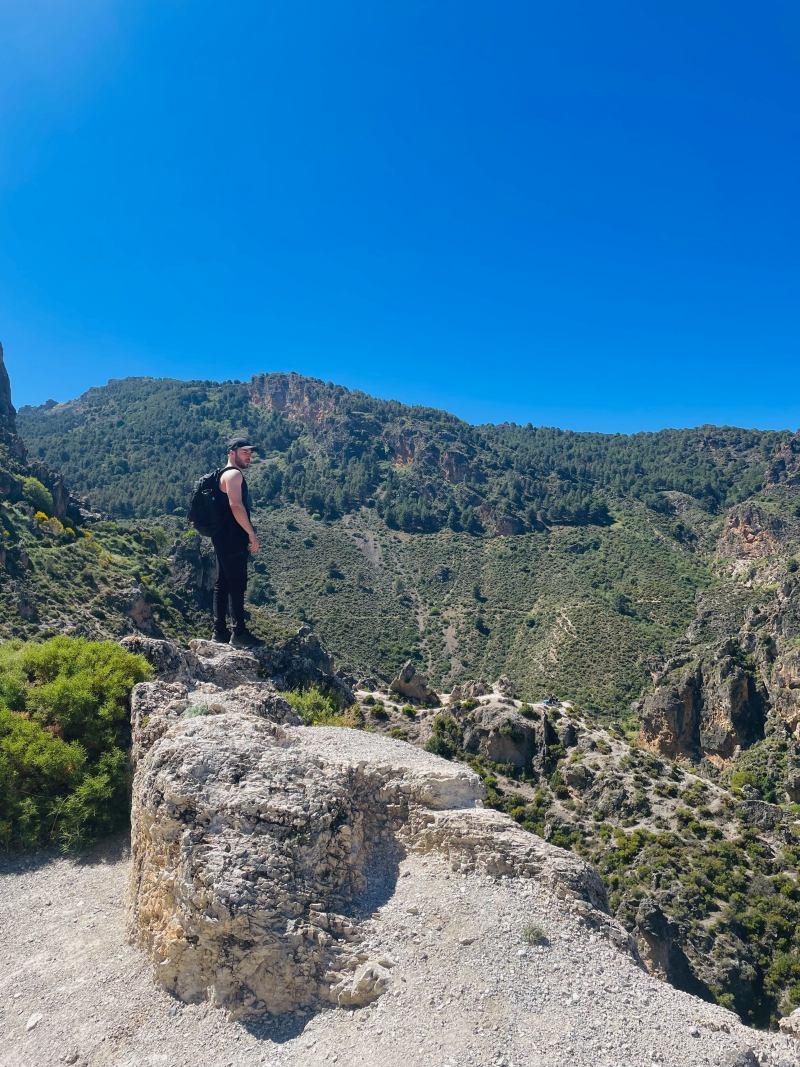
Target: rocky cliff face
[[772, 636], [8, 419], [316, 405], [713, 708], [750, 533], [303, 400], [736, 677], [717, 705], [16, 461], [7, 414]]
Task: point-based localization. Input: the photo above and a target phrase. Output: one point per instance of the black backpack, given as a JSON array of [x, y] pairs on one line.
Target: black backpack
[[205, 506]]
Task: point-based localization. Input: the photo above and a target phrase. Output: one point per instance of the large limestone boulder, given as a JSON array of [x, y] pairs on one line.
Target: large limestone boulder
[[219, 664], [167, 660], [258, 846], [159, 705], [206, 661], [251, 844], [297, 662]]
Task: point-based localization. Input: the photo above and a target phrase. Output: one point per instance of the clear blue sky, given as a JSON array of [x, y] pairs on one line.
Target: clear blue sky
[[576, 214]]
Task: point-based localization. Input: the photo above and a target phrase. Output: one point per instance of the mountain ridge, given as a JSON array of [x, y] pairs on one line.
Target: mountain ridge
[[557, 535]]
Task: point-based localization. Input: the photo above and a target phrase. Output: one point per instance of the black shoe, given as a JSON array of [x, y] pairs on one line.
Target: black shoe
[[221, 636], [246, 640]]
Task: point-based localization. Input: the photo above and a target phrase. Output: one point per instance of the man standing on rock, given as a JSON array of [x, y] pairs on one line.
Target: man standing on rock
[[235, 539]]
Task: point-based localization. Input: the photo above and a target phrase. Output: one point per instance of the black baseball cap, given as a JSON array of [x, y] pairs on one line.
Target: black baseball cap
[[239, 442]]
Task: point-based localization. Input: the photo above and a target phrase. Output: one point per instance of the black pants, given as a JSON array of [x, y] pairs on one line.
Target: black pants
[[230, 586]]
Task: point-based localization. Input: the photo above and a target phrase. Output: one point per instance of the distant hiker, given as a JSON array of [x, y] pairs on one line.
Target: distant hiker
[[233, 540]]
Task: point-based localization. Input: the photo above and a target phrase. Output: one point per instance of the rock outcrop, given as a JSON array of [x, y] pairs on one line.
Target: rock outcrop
[[294, 663], [413, 686], [498, 731], [15, 463], [750, 533], [8, 425], [501, 734], [278, 868], [257, 844], [790, 1024], [10, 441], [300, 399], [470, 690], [302, 661], [712, 708]]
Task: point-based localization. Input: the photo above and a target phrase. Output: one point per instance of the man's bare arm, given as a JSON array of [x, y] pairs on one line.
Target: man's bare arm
[[231, 483]]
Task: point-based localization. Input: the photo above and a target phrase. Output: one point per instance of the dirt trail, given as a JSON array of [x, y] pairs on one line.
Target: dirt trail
[[467, 989]]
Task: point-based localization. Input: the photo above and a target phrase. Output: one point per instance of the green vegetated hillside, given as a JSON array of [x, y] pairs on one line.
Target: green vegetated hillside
[[333, 450], [570, 561], [573, 611]]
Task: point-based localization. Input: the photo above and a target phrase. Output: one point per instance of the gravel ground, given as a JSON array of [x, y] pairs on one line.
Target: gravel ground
[[466, 988]]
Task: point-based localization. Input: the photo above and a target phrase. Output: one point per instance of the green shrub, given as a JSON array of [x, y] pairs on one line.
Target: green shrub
[[762, 766], [78, 689], [195, 711], [314, 707], [533, 934], [64, 731], [446, 738], [99, 805], [37, 495]]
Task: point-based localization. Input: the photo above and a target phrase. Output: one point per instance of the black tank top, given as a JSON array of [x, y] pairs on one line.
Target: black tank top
[[232, 535]]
